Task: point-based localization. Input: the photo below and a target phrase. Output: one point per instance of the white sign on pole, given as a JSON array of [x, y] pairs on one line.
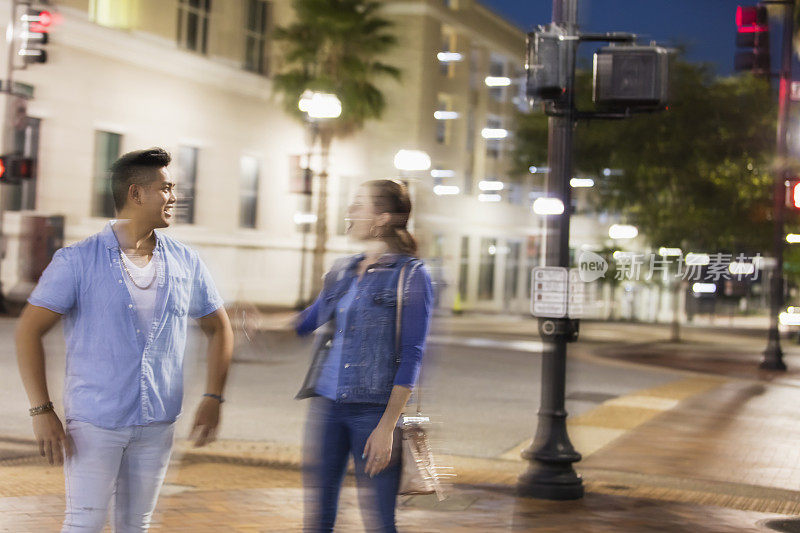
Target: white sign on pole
[[576, 307], [549, 292], [794, 91]]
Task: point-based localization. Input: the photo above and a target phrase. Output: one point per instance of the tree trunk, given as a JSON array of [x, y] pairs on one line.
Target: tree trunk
[[320, 247]]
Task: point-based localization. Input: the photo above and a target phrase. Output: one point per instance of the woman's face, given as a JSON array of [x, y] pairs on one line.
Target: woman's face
[[360, 216]]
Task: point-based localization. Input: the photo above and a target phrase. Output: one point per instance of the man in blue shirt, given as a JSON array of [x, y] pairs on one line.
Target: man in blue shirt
[[124, 295]]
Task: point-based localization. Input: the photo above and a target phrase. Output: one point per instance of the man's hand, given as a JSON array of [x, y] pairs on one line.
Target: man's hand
[[378, 450], [206, 420], [50, 435]]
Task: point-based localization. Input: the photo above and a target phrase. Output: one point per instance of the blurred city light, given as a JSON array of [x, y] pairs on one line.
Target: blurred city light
[[613, 172], [494, 133], [497, 81], [490, 185], [489, 197], [791, 318], [704, 288], [693, 258], [445, 115], [538, 170], [741, 269], [442, 173], [304, 218], [793, 238], [411, 160], [320, 105], [622, 231], [445, 190], [447, 57], [548, 206], [581, 182], [669, 252]]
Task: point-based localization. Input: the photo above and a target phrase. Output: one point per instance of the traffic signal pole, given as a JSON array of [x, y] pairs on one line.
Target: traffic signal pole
[[550, 474], [8, 132], [773, 355]]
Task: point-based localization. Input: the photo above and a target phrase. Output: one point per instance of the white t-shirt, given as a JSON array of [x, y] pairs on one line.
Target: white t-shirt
[[144, 300]]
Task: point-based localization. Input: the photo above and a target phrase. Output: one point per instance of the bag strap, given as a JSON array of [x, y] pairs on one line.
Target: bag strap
[[399, 324]]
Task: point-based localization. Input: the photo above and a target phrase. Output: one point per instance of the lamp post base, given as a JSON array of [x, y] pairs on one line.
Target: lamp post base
[[550, 482], [773, 359]]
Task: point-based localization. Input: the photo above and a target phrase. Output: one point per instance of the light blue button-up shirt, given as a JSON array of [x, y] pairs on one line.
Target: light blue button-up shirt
[[117, 375]]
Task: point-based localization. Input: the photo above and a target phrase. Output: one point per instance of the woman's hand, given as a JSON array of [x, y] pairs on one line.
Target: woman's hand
[[378, 450]]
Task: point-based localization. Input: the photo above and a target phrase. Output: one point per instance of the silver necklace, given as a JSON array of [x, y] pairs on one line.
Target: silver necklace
[[122, 259]]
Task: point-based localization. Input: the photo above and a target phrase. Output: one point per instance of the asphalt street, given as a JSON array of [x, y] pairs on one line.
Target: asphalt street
[[481, 383]]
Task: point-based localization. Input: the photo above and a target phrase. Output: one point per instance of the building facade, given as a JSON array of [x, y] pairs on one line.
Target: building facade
[[193, 76]]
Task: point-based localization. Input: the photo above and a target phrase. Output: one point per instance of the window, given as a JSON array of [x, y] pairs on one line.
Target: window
[[532, 259], [470, 130], [486, 269], [106, 151], [187, 179], [248, 192], [345, 197], [512, 270], [443, 126], [474, 73], [497, 68], [255, 36], [118, 14], [493, 145], [447, 68], [26, 142], [193, 24], [463, 274]]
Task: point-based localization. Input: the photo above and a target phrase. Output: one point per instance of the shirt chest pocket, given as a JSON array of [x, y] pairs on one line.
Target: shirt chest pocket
[[179, 295], [384, 306]]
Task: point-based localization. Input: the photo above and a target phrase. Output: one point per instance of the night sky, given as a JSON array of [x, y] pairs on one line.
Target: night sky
[[705, 27]]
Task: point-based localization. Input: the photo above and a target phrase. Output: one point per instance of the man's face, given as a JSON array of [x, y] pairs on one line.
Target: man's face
[[158, 199]]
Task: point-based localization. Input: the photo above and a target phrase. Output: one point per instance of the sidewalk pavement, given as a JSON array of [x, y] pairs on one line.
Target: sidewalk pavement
[[712, 451]]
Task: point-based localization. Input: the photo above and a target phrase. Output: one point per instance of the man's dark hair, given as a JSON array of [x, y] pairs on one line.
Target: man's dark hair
[[135, 168]]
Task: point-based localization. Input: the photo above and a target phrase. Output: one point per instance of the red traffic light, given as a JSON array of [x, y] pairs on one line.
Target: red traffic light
[[14, 168], [751, 19], [794, 196]]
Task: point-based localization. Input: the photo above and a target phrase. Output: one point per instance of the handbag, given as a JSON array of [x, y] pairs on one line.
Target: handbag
[[419, 474]]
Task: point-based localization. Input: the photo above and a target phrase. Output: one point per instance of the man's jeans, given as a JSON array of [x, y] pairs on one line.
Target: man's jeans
[[129, 463]]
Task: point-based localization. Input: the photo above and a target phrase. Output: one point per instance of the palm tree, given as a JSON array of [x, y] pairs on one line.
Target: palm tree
[[334, 46]]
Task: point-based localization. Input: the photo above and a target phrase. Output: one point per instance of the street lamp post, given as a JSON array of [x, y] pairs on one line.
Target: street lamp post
[[550, 474], [318, 108], [773, 354]]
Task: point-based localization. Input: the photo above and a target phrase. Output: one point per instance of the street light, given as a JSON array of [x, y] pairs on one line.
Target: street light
[[411, 160], [548, 206], [318, 108], [319, 105], [622, 231]]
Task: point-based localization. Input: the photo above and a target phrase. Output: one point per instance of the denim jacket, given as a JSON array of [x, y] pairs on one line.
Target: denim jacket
[[371, 365]]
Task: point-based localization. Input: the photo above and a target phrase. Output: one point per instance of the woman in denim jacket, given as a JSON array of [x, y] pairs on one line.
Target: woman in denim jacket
[[359, 381]]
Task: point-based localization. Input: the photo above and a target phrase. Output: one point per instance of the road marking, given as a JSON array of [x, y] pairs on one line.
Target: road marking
[[596, 429], [480, 342]]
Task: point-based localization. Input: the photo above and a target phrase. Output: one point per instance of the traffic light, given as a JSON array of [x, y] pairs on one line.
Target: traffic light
[[14, 168], [635, 77], [34, 35], [793, 193], [546, 65], [752, 34]]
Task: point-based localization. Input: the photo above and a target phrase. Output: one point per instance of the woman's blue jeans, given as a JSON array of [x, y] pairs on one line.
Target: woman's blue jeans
[[334, 432]]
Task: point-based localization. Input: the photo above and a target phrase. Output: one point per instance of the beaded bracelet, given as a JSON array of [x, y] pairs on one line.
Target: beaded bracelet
[[217, 397], [39, 409]]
